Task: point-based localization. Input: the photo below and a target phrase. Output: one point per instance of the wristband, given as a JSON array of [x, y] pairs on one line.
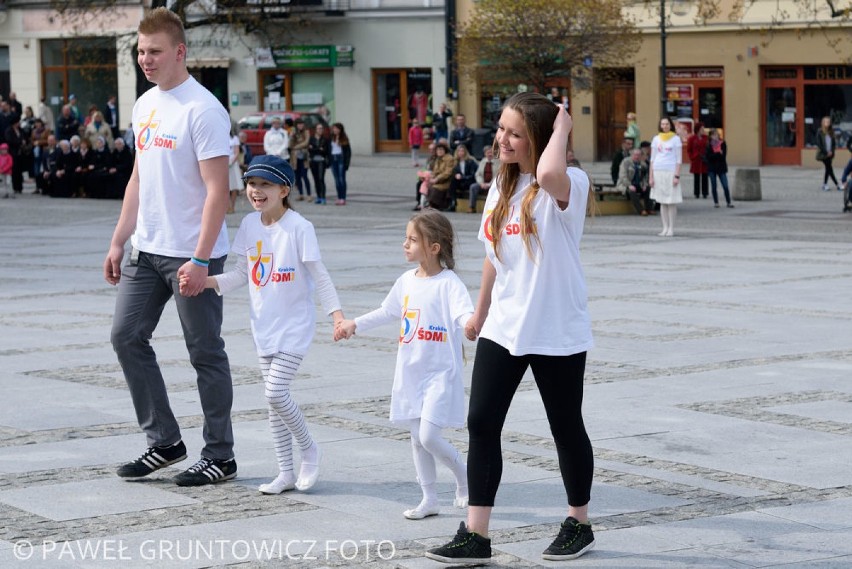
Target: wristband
[[200, 262]]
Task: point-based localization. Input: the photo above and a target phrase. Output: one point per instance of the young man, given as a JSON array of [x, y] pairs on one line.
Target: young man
[[173, 213]]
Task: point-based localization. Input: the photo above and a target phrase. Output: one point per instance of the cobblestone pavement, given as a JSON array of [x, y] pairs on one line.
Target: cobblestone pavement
[[718, 398]]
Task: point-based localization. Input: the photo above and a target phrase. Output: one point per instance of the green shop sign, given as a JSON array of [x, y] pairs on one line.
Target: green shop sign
[[305, 56]]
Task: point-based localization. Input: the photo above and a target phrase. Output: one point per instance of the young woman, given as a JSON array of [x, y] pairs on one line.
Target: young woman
[[341, 155], [664, 177], [319, 149], [531, 313], [826, 148], [717, 165]]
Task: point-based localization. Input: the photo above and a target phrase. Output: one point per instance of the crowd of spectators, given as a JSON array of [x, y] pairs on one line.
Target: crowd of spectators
[[70, 156]]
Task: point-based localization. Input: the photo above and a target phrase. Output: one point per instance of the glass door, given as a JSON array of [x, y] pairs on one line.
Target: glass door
[[780, 132], [389, 114]]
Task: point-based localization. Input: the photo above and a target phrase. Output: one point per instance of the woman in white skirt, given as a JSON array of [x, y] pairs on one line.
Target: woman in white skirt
[[664, 178]]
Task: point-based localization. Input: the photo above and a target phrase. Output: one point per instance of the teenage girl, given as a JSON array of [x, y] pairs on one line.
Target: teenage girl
[[531, 313], [432, 305], [278, 257]]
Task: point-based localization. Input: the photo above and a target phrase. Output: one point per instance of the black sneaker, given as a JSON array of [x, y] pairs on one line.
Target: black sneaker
[[154, 458], [466, 547], [207, 471], [574, 540]]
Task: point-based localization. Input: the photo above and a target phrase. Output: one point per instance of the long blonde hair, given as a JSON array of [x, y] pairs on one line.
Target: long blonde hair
[[538, 113]]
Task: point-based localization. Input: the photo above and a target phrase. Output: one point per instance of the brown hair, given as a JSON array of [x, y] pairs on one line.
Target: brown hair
[[163, 20], [342, 139], [538, 113], [434, 227]]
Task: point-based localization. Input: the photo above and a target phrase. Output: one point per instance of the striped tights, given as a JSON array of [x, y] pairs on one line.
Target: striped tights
[[285, 418]]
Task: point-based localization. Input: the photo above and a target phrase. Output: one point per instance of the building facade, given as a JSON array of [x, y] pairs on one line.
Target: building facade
[[765, 84], [369, 64]]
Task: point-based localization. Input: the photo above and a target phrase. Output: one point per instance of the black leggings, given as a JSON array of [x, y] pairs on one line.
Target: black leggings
[[496, 376], [829, 171]]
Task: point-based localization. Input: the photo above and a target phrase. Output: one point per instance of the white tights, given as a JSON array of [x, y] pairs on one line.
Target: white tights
[[285, 418], [668, 213], [427, 444]]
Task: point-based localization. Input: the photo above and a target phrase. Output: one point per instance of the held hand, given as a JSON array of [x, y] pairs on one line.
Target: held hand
[[192, 279], [112, 264], [344, 330], [473, 327]]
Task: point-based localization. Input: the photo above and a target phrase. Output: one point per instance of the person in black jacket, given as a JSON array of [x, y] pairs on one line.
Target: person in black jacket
[[63, 176], [461, 135], [319, 150], [717, 165], [341, 155], [100, 180], [122, 167], [464, 175]]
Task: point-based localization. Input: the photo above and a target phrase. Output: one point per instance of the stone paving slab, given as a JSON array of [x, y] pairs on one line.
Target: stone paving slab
[[717, 397]]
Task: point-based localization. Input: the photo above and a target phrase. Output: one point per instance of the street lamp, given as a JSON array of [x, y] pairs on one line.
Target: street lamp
[[679, 8]]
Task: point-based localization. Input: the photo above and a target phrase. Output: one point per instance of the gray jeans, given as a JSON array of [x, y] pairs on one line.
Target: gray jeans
[[145, 287]]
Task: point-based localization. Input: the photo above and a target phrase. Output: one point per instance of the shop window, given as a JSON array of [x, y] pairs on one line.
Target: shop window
[[833, 101], [780, 117], [313, 92], [420, 95], [85, 67]]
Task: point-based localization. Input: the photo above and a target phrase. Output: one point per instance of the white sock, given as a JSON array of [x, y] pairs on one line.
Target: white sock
[[309, 469]]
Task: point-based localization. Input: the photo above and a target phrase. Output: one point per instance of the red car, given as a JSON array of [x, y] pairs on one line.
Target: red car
[[256, 124]]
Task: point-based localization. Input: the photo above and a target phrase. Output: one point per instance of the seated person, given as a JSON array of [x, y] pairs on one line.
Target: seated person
[[464, 174], [122, 167], [633, 181], [63, 176], [485, 174]]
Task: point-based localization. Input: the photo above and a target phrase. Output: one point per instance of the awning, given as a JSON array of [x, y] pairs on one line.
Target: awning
[[206, 62]]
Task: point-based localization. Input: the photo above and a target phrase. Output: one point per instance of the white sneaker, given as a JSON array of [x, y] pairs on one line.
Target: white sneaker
[[825, 187]]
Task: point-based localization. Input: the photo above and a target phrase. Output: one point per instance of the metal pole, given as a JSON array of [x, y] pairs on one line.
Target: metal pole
[[449, 39], [663, 94]]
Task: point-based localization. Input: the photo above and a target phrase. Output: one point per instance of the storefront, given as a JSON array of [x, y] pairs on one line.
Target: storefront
[[795, 98], [695, 95], [300, 77]]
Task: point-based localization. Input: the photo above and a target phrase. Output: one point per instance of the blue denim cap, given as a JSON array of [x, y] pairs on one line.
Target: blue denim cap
[[272, 169]]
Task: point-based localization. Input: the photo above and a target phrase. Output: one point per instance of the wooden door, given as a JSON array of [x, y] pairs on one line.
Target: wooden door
[[390, 115], [614, 98]]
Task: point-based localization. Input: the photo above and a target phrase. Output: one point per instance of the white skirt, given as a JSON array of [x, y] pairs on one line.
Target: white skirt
[[235, 177], [665, 191]]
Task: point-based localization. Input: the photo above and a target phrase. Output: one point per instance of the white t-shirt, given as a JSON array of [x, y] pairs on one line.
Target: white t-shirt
[[281, 287], [666, 155], [432, 312], [175, 130], [539, 306]]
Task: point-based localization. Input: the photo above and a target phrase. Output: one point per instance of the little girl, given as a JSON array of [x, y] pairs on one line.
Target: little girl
[[432, 305], [278, 256]]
